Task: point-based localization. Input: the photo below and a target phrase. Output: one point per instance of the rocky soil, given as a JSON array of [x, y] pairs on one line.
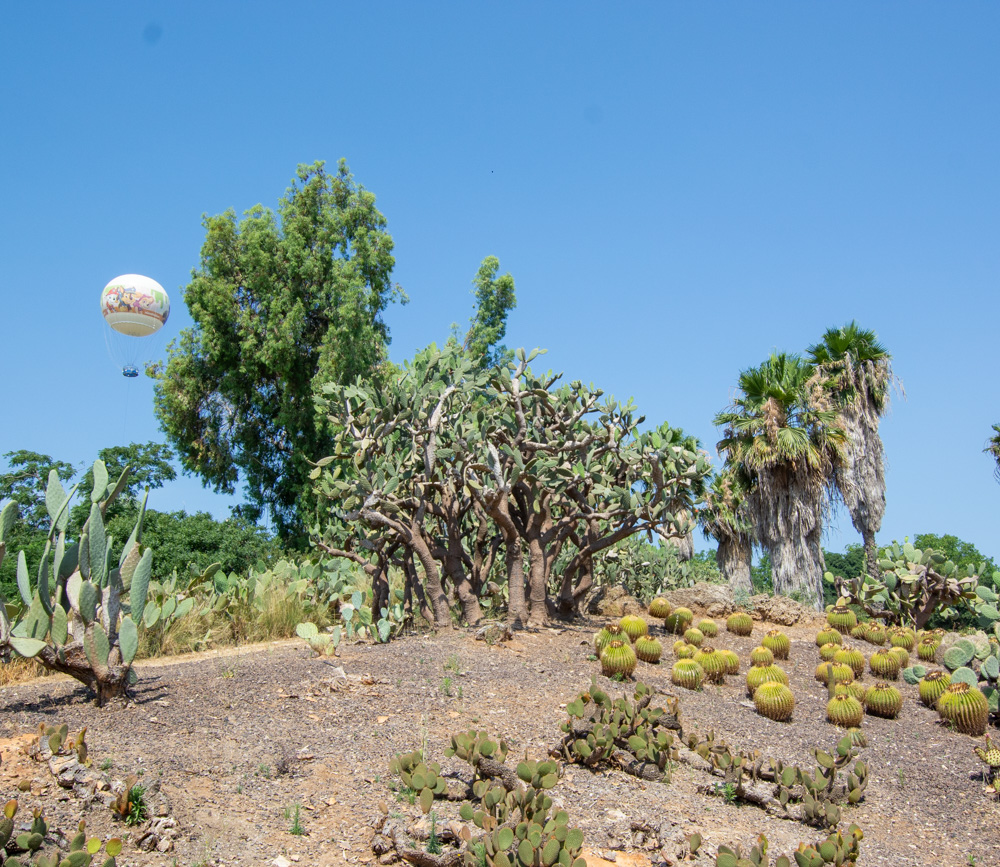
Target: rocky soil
[[234, 743]]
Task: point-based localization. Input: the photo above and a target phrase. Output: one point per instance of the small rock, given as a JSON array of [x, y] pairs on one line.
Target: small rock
[[281, 861]]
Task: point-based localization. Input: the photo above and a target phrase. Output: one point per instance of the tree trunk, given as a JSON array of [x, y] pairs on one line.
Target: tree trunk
[[797, 567], [432, 575], [111, 683], [537, 595], [734, 557], [455, 567]]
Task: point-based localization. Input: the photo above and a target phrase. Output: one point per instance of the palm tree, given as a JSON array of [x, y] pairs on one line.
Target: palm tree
[[858, 370], [782, 439], [993, 448], [725, 519]]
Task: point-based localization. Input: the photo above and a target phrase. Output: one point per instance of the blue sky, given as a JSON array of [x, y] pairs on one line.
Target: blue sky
[[677, 189]]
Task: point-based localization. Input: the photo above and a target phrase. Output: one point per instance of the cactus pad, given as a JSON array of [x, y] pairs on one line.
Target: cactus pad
[[959, 654]]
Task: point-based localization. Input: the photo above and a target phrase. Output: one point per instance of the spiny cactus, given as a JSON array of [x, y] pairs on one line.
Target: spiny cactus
[[841, 618], [884, 664], [617, 658], [739, 623], [828, 651], [902, 655], [612, 630], [875, 633], [883, 700], [709, 628], [965, 707], [648, 649], [901, 636], [828, 636], [687, 673], [778, 643], [760, 655], [678, 620], [860, 631], [990, 756], [759, 674], [853, 688], [932, 687], [712, 662], [634, 626], [686, 651], [852, 657], [845, 711], [837, 671], [659, 608], [732, 660], [927, 648], [774, 700], [694, 636]]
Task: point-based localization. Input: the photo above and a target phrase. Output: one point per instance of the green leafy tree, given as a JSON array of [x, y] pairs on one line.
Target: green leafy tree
[[281, 304], [993, 449], [495, 298], [783, 441], [24, 483], [962, 554], [857, 371]]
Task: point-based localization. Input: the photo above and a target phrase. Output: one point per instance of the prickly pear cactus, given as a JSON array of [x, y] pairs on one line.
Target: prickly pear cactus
[[81, 616]]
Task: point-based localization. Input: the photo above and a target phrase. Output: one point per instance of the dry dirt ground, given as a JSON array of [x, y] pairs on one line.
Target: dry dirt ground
[[238, 739]]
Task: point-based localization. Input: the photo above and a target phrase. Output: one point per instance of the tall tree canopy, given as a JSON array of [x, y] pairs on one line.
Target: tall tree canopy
[[281, 304], [783, 438], [857, 370]]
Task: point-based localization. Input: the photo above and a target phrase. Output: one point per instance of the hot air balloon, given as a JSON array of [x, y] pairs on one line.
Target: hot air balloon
[[134, 307]]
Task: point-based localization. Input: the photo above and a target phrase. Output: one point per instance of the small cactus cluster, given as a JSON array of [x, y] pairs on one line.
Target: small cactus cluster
[[620, 645], [678, 620], [423, 777], [837, 850], [26, 848], [739, 623], [599, 726], [902, 636]]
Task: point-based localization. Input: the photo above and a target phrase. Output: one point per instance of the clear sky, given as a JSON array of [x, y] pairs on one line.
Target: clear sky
[[677, 188]]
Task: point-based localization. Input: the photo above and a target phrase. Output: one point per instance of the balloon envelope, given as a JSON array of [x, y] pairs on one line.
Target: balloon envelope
[[135, 305]]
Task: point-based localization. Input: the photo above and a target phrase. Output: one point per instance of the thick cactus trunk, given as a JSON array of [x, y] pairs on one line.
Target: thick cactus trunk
[[107, 683]]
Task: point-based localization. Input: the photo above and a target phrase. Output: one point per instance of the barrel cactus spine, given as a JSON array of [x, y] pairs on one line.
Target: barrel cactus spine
[[694, 636], [927, 648], [633, 626], [760, 655], [964, 707], [883, 700], [732, 660], [828, 651], [842, 619], [618, 658], [778, 643], [774, 700], [828, 636], [759, 674], [845, 711], [740, 623], [932, 686], [712, 662], [852, 657], [609, 632], [687, 673], [852, 688], [884, 664], [648, 649], [709, 628], [659, 608]]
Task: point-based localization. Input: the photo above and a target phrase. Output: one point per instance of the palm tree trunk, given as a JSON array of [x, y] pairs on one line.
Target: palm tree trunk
[[734, 559]]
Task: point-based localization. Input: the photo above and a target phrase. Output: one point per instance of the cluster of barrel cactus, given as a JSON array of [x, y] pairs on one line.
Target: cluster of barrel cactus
[[81, 617], [599, 726], [620, 645], [25, 849]]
